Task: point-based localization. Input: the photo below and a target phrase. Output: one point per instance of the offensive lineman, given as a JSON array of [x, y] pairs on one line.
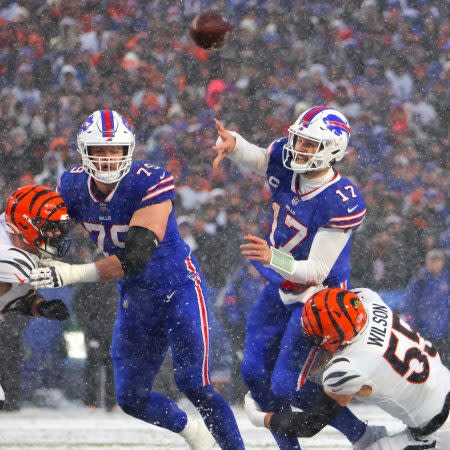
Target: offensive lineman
[[380, 360], [314, 212], [35, 223], [127, 208]]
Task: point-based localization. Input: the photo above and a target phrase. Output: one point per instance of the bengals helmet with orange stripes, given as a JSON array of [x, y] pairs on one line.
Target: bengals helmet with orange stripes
[[39, 216], [334, 317]]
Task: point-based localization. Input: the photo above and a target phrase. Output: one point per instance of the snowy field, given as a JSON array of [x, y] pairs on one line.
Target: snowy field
[[42, 429]]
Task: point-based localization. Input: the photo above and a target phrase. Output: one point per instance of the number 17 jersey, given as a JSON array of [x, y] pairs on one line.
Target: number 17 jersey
[[296, 216]]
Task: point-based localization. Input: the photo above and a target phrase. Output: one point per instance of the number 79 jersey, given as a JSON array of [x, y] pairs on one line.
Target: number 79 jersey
[[297, 216], [404, 370], [107, 219]]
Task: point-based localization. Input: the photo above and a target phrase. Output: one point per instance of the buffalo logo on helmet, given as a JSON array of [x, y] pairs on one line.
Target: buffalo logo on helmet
[[87, 123], [336, 125]]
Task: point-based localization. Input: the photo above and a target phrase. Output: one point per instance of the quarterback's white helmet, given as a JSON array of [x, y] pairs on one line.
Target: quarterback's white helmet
[[328, 129], [106, 128]]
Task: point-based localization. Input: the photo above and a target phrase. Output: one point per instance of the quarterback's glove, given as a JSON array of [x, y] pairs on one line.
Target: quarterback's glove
[[253, 411], [56, 274]]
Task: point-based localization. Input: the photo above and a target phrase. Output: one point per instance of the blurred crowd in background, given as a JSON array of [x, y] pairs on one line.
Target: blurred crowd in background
[[383, 63]]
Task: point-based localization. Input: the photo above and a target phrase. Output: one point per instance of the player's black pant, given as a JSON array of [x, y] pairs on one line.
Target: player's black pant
[[98, 356]]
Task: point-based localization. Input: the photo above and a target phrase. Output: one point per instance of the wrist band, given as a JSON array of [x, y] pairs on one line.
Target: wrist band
[[281, 261]]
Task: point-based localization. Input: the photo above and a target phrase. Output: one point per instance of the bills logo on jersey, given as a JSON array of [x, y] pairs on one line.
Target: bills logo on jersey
[[336, 125], [86, 124]]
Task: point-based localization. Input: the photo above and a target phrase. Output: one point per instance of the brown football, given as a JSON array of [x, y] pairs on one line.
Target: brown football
[[209, 30]]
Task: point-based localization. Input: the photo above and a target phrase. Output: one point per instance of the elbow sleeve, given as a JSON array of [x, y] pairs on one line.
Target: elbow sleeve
[[140, 244]]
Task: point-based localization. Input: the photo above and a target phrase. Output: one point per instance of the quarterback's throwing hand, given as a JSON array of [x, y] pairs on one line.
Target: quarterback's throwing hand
[[225, 144]]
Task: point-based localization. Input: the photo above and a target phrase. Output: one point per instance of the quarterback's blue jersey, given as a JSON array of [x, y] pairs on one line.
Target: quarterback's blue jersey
[[296, 217], [106, 219]]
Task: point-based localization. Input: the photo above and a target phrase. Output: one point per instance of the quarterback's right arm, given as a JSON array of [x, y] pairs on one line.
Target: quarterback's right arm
[[242, 152]]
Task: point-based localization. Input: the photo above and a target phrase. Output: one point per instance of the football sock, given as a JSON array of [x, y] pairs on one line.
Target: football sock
[[218, 417]]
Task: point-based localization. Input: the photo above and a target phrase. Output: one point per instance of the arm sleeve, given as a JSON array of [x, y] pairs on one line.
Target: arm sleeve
[[325, 250], [307, 423], [249, 155]]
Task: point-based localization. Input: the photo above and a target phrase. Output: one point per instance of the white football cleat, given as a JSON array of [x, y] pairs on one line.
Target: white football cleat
[[197, 435]]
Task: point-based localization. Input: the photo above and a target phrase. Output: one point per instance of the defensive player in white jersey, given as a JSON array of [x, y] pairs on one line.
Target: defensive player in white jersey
[[35, 222], [380, 360]]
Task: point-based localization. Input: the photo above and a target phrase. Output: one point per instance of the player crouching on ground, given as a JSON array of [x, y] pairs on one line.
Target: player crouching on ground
[[378, 359], [35, 223]]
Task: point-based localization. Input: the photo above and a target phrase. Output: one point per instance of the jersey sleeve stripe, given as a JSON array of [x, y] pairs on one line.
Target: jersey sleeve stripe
[[166, 180], [17, 266], [158, 192], [334, 375], [23, 254], [342, 380], [343, 218], [345, 225], [337, 360], [23, 263]]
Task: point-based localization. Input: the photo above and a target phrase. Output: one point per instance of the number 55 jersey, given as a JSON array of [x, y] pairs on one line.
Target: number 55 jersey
[[404, 370]]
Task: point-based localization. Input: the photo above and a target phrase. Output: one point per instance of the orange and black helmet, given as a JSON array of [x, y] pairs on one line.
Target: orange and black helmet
[[39, 216], [333, 316]]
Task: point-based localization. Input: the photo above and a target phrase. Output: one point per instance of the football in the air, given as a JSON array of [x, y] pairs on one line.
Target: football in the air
[[209, 30]]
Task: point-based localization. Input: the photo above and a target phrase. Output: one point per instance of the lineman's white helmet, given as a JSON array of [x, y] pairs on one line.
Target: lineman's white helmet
[[106, 128], [325, 127]]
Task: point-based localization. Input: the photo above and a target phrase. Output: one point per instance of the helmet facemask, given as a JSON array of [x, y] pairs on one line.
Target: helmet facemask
[[107, 169], [52, 235], [303, 162]]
